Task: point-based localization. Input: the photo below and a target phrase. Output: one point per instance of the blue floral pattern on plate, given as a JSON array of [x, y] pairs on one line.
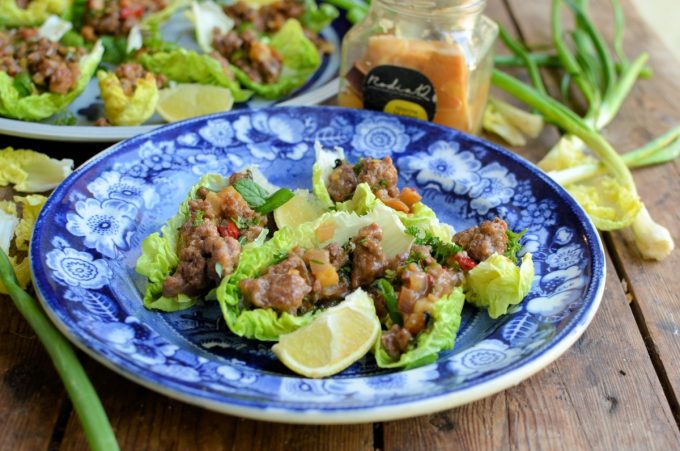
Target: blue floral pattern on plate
[[87, 240]]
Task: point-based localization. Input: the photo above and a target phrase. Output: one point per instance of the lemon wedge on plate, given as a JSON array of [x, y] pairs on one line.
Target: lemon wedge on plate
[[302, 207], [334, 340], [191, 99]]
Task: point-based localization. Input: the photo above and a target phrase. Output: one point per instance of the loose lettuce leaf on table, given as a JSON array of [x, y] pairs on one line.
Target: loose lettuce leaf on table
[[300, 60], [159, 257], [30, 171], [498, 283], [11, 15], [439, 335], [34, 107], [186, 66], [121, 109]]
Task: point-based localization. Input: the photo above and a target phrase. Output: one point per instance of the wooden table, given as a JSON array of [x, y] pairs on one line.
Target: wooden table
[[616, 388]]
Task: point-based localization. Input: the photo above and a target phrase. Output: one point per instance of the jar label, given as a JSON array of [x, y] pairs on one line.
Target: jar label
[[399, 90]]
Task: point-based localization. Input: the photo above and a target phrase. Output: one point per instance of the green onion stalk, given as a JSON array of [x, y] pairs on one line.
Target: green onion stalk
[[83, 396], [604, 85]]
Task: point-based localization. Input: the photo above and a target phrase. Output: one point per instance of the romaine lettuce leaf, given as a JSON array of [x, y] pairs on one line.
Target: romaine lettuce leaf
[[121, 109], [159, 252], [11, 15], [186, 66], [8, 223], [266, 324], [497, 283], [609, 204], [300, 59], [208, 16], [424, 218], [30, 171], [40, 106], [438, 336], [30, 208]]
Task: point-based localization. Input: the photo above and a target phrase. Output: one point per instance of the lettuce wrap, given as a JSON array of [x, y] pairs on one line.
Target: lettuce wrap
[[267, 324], [187, 66], [121, 109], [18, 104], [439, 335], [363, 200], [11, 15], [300, 59], [159, 257]]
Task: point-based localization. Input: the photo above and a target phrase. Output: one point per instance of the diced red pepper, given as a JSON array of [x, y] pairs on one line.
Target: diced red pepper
[[131, 11], [229, 230], [465, 262]]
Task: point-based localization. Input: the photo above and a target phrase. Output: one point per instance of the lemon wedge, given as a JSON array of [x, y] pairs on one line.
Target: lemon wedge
[[302, 207], [334, 340], [190, 100]]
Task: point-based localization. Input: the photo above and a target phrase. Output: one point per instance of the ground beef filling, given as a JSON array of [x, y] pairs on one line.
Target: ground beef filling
[[210, 240], [50, 66], [116, 17], [381, 177], [418, 286], [244, 50], [129, 75], [484, 240], [302, 280]]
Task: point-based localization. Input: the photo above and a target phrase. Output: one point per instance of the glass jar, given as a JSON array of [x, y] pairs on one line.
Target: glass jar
[[429, 59]]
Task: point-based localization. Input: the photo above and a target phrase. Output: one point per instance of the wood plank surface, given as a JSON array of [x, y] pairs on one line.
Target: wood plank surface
[[31, 394], [144, 420], [651, 109]]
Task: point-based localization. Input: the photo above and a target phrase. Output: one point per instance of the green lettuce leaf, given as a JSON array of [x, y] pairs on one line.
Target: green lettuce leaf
[[317, 17], [440, 335], [266, 324], [11, 15], [425, 219], [300, 60], [159, 257], [363, 200], [609, 204], [497, 283], [41, 106], [31, 171], [159, 17], [187, 66], [121, 109]]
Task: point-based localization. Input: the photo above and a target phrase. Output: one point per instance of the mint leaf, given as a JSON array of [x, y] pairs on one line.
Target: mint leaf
[[252, 193], [275, 201]]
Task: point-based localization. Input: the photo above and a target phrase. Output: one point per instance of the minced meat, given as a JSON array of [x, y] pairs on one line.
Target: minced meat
[[484, 240], [381, 176], [130, 73], [396, 341], [116, 17], [368, 259], [51, 66], [342, 182], [244, 50], [282, 287]]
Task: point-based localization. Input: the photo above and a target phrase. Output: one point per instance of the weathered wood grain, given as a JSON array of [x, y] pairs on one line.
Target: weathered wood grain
[[31, 394], [650, 110], [144, 420]]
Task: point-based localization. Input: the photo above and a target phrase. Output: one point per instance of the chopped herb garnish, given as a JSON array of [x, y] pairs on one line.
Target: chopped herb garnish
[[390, 274], [280, 256], [359, 166], [198, 218], [23, 84], [514, 244], [259, 199], [242, 240], [387, 291], [338, 163], [441, 250], [415, 257], [316, 262], [219, 269], [383, 183], [346, 270]]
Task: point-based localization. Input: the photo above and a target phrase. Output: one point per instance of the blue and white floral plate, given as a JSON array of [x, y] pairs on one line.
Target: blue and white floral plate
[[88, 107], [88, 236]]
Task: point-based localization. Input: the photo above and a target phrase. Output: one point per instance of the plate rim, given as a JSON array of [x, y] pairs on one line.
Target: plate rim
[[513, 374]]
